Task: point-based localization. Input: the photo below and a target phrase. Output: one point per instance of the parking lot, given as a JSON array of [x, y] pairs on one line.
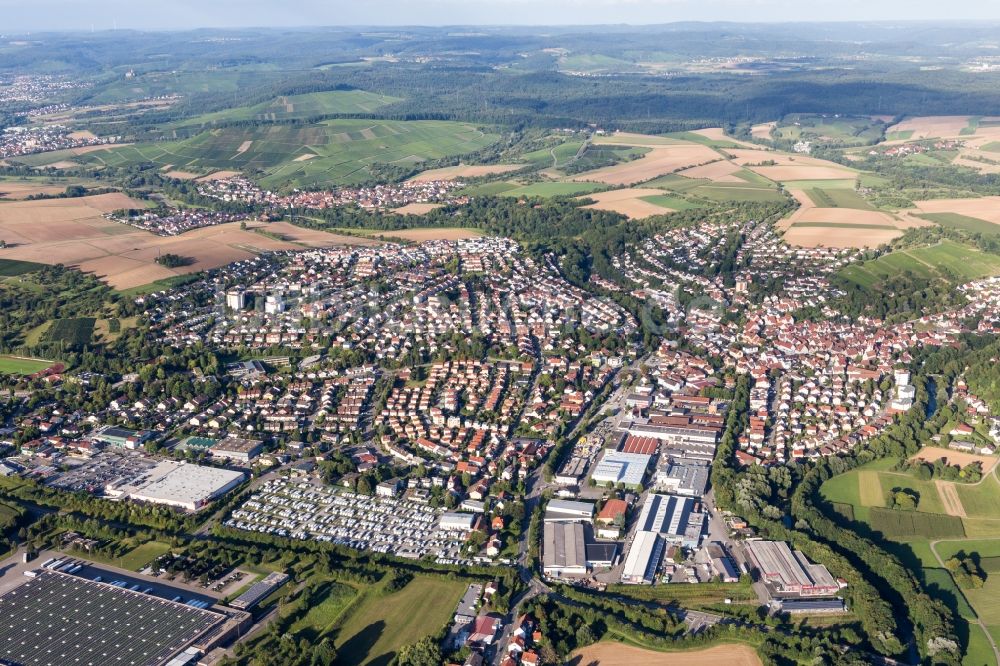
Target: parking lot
[[305, 510]]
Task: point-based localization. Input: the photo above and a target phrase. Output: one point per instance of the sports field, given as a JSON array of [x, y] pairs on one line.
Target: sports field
[[382, 624], [16, 365]]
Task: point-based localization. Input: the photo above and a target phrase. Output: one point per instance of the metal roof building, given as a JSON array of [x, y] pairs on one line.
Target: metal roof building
[[643, 557], [563, 549], [55, 618], [617, 467], [677, 519], [790, 573], [567, 510]]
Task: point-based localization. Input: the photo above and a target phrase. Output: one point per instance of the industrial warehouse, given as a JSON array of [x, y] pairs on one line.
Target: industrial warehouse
[[790, 574], [55, 618], [177, 484]]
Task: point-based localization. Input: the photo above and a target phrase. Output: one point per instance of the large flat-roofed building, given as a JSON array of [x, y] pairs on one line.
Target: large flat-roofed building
[[682, 477], [642, 559], [54, 618], [178, 484], [564, 549], [453, 521], [679, 520], [236, 449], [558, 510], [790, 573], [617, 467]]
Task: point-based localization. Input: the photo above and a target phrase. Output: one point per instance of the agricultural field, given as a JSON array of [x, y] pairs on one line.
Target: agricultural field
[[553, 189], [986, 209], [380, 625], [295, 107], [13, 267], [71, 332], [838, 198], [607, 653], [74, 233], [824, 129], [418, 235], [963, 222], [465, 171], [631, 202], [666, 155], [17, 365], [336, 151], [962, 261]]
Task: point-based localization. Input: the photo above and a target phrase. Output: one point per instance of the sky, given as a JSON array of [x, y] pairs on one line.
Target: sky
[[35, 15]]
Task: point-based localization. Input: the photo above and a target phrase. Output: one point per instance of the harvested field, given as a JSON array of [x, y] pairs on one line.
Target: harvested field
[[870, 489], [933, 453], [722, 171], [429, 233], [745, 157], [949, 498], [840, 237], [628, 202], [925, 127], [14, 189], [983, 208], [631, 139], [82, 134], [312, 237], [619, 654], [805, 172], [219, 175], [72, 232], [981, 167], [63, 164], [182, 175], [847, 216], [661, 159], [465, 171], [305, 157], [763, 130], [83, 150], [719, 134], [416, 208], [244, 147]]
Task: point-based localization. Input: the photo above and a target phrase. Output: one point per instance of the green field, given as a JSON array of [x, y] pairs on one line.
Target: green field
[[838, 198], [906, 524], [964, 222], [334, 598], [981, 499], [843, 130], [992, 146], [296, 107], [71, 331], [720, 192], [838, 184], [143, 555], [899, 136], [11, 365], [380, 625], [15, 267], [489, 189], [674, 203], [344, 150], [962, 261], [554, 189]]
